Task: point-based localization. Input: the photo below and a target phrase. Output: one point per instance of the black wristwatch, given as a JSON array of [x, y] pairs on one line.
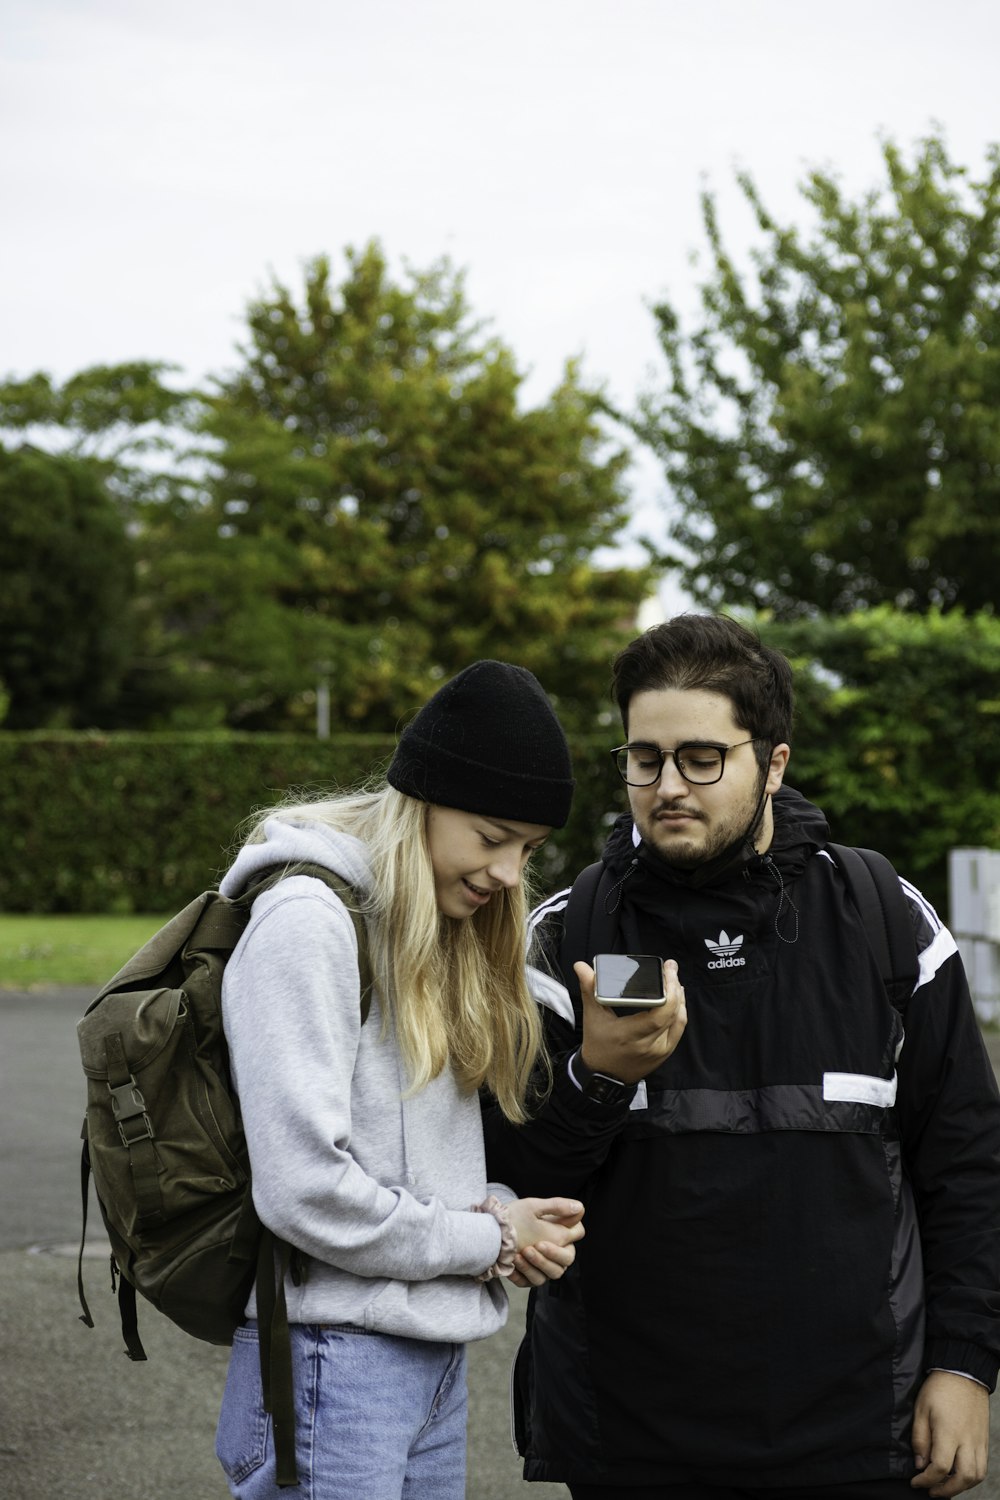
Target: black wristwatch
[[600, 1086]]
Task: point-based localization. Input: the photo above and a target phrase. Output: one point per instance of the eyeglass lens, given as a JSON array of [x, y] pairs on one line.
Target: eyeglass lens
[[641, 765]]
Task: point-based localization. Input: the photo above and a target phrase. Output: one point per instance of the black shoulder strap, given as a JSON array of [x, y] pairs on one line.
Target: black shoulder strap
[[875, 890], [588, 927], [274, 1261]]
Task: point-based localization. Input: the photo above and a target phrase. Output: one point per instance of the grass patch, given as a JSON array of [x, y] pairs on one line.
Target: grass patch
[[79, 950]]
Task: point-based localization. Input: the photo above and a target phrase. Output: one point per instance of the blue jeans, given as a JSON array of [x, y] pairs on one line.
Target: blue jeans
[[377, 1417]]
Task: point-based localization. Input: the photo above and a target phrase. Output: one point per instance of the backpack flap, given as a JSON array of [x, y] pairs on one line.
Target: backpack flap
[[160, 955], [110, 1065], [157, 1123]]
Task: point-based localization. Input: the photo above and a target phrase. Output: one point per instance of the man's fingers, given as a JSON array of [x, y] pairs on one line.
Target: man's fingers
[[630, 1046], [950, 1437], [941, 1476], [930, 1479]]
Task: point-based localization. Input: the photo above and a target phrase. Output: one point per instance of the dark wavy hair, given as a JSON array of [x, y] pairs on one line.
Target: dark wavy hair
[[718, 655]]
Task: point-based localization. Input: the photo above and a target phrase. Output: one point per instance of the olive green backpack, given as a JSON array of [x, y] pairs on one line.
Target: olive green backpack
[[164, 1143]]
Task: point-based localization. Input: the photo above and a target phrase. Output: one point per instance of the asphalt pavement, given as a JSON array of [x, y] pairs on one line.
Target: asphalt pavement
[[77, 1418]]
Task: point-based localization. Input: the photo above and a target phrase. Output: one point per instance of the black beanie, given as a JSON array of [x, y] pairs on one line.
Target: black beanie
[[488, 742]]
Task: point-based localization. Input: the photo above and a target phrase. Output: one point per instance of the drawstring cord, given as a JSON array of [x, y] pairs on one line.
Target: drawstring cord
[[783, 899], [612, 900]]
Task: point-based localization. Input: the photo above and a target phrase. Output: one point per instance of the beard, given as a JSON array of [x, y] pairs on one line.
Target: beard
[[715, 834]]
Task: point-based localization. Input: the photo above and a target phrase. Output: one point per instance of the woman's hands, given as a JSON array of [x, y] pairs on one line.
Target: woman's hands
[[547, 1230]]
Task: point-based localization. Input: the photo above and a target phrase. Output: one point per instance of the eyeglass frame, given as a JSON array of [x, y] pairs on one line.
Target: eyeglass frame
[[664, 755]]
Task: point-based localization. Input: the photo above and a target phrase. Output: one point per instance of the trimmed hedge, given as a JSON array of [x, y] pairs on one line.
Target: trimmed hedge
[[143, 822]]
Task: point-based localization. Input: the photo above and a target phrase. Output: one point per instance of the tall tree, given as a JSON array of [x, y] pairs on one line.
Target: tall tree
[[93, 455], [124, 419], [896, 731], [381, 511], [65, 577], [830, 429]]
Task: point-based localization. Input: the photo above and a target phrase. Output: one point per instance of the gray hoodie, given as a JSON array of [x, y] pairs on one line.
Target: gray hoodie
[[376, 1189]]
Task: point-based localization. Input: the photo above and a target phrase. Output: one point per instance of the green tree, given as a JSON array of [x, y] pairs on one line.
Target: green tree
[[896, 732], [380, 510], [830, 428], [125, 419], [66, 569], [97, 453]]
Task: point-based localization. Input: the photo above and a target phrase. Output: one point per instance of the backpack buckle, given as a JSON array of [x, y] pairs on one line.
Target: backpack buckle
[[128, 1105]]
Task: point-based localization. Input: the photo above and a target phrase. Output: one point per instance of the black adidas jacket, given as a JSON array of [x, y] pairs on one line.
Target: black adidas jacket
[[789, 1226]]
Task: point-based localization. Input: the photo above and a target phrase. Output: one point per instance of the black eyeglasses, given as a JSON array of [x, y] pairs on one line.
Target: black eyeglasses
[[642, 765]]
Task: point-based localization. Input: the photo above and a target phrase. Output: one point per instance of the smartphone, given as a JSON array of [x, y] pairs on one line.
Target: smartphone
[[629, 980]]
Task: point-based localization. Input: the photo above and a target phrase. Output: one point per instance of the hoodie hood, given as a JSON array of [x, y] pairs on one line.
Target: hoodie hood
[[297, 842], [800, 829]]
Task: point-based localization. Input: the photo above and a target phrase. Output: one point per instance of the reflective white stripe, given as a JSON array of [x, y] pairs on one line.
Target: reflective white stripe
[[548, 991], [860, 1088], [554, 904], [941, 946], [920, 900]]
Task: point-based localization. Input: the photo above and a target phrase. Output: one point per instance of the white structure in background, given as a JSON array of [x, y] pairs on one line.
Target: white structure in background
[[974, 882]]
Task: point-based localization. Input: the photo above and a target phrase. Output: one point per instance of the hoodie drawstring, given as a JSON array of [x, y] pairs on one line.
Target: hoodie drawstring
[[612, 900], [783, 899]]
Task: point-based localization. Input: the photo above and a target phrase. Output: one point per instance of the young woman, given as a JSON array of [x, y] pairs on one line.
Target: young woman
[[365, 1138]]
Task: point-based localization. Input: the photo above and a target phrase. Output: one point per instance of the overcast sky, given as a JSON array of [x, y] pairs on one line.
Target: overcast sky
[[159, 161]]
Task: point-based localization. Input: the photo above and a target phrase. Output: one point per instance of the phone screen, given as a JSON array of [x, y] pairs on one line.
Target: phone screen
[[629, 979]]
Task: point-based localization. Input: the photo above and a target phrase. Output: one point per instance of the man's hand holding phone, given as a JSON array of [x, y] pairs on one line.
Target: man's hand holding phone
[[629, 1046]]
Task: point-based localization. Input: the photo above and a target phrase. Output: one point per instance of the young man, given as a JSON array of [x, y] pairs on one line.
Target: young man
[[790, 1284]]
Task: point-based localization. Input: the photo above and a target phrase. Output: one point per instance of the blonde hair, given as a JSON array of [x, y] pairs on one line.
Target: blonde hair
[[456, 989]]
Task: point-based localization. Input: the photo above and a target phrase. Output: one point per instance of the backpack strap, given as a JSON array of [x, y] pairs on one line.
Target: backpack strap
[[136, 1132], [220, 927], [588, 926], [273, 1263], [874, 888]]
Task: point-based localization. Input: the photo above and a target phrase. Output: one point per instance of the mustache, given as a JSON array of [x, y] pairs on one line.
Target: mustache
[[678, 807]]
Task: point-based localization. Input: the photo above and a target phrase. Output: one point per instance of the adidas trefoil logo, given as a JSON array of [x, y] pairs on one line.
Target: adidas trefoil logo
[[726, 950]]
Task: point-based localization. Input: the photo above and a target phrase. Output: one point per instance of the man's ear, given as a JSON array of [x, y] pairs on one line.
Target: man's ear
[[776, 768]]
